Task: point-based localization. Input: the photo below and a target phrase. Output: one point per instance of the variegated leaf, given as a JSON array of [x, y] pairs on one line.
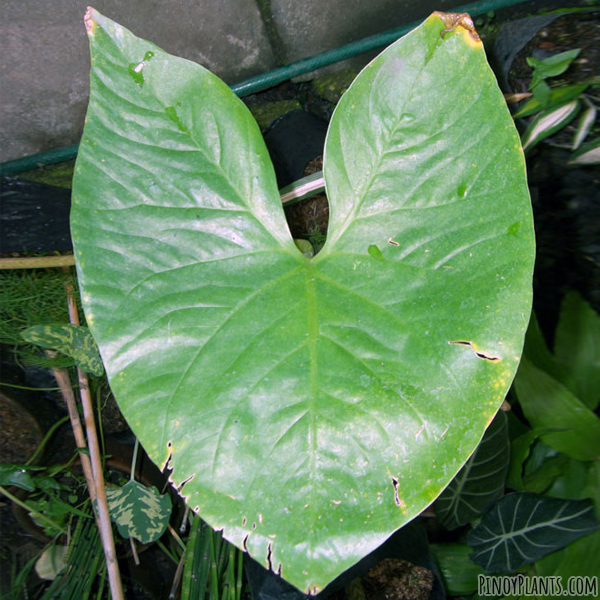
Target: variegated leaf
[[548, 123], [72, 340], [139, 511]]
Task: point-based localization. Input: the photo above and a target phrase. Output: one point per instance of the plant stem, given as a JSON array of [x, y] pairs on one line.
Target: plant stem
[[136, 558], [214, 576], [240, 575], [33, 511], [303, 188], [24, 387], [177, 538], [134, 459], [177, 578], [168, 552], [43, 443], [99, 412]]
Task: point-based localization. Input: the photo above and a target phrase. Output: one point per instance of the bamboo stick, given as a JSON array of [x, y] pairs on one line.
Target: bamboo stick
[[37, 262], [108, 543]]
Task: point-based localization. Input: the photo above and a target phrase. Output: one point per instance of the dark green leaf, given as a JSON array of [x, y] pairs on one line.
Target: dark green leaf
[[524, 449], [540, 452], [519, 451], [523, 527], [537, 352], [480, 481], [55, 508], [547, 403], [307, 407], [579, 559], [552, 66], [525, 461], [516, 425], [558, 97], [72, 340], [541, 92], [577, 347], [571, 482], [459, 572], [543, 477], [139, 511], [47, 484], [592, 488], [16, 475]]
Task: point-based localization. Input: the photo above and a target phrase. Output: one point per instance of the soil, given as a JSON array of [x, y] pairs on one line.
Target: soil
[[391, 579], [303, 93], [309, 219], [21, 433], [395, 579]]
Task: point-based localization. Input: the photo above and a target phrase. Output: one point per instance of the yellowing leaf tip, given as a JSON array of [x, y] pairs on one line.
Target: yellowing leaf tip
[[89, 20]]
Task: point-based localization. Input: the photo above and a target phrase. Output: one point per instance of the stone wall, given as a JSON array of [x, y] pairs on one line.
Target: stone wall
[[44, 59]]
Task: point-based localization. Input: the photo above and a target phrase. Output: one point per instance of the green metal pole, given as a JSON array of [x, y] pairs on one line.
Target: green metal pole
[[272, 78]]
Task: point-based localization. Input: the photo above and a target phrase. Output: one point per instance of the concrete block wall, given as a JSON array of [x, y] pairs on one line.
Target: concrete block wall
[[44, 59]]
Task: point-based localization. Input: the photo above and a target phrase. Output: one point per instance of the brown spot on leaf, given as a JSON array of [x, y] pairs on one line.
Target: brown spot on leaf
[[453, 20], [480, 354], [395, 486]]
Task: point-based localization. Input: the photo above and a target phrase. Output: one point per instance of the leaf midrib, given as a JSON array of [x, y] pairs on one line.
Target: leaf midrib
[[545, 524], [313, 334], [230, 315]]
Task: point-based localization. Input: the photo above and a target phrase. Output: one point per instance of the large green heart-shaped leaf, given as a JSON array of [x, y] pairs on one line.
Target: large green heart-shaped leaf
[[306, 407]]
